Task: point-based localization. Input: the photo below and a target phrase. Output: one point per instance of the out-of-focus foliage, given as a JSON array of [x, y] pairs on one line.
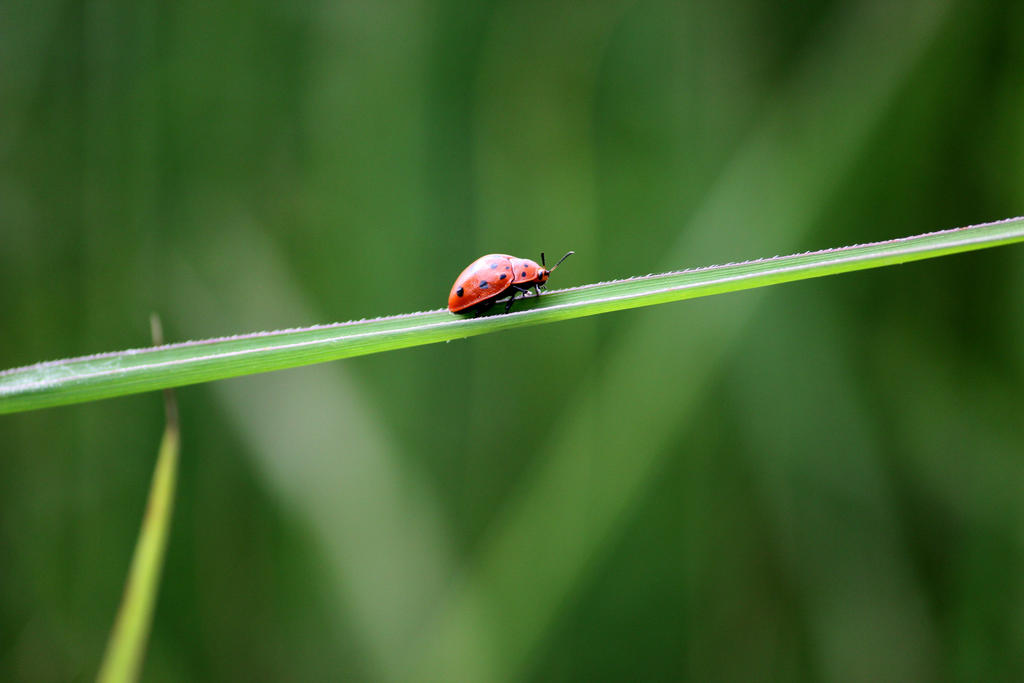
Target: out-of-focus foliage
[[820, 481]]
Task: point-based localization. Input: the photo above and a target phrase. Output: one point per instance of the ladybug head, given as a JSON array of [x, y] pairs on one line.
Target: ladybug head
[[543, 273]]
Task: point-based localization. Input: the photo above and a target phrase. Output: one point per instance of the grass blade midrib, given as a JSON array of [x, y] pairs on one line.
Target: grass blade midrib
[[112, 374]]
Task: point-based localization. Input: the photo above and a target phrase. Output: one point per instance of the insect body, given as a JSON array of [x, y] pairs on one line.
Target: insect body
[[497, 276]]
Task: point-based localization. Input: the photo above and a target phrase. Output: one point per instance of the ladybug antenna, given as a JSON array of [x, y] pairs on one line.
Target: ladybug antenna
[[542, 260], [559, 260]]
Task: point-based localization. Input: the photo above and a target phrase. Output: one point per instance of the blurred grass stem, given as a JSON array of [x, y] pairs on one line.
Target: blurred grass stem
[[126, 648]]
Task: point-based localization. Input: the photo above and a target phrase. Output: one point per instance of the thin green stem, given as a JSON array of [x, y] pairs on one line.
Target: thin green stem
[[126, 648], [126, 372]]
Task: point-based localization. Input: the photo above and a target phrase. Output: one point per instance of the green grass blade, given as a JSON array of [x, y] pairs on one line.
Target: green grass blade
[[126, 372], [127, 645], [126, 648]]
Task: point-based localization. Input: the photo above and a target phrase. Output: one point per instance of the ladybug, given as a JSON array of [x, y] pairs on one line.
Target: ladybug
[[496, 276]]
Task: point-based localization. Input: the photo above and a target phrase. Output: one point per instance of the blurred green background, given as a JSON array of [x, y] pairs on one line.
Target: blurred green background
[[819, 481]]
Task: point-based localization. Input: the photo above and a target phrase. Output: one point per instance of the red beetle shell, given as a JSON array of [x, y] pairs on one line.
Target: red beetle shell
[[491, 275]]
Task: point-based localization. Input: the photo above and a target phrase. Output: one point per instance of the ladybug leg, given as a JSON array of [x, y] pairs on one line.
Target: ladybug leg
[[483, 307], [512, 299], [536, 288]]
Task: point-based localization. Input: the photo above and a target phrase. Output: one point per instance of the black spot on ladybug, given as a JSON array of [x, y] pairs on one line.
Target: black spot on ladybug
[[494, 265], [502, 276], [459, 292], [524, 273], [508, 267], [483, 284]]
